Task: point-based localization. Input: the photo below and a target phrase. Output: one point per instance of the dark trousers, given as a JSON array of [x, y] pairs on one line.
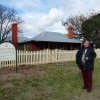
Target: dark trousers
[[87, 78]]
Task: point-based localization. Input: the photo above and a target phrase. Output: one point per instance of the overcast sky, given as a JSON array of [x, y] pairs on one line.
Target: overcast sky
[[46, 15]]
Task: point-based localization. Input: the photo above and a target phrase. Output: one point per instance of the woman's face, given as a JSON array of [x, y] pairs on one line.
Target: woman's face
[[86, 44]]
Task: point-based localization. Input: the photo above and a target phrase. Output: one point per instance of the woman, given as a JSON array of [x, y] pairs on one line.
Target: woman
[[85, 61]]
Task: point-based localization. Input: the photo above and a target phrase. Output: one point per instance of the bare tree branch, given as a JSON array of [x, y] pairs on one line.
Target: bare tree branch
[[8, 16]]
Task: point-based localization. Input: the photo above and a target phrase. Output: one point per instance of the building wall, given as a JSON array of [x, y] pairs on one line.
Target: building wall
[[33, 46]]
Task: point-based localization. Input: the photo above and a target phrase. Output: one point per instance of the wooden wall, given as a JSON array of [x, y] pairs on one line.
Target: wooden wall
[[34, 46]]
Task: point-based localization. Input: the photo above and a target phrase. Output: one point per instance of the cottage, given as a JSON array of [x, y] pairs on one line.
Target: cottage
[[49, 40]]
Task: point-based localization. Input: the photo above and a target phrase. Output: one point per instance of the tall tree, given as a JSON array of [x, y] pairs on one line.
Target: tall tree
[[7, 17], [76, 23], [91, 28]]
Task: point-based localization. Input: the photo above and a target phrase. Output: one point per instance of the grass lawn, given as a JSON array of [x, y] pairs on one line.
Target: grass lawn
[[47, 82]]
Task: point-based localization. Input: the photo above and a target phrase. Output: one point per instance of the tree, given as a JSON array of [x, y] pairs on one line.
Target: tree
[[76, 23], [7, 17], [91, 28]]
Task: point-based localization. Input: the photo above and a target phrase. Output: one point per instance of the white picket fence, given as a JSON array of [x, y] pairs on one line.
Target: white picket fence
[[42, 57]]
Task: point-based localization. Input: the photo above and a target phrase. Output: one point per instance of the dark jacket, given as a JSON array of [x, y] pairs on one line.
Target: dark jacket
[[89, 64]]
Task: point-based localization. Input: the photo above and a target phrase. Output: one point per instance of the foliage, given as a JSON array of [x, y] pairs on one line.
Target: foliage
[[76, 23], [91, 28]]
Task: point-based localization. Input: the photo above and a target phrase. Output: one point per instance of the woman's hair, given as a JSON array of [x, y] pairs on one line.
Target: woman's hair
[[82, 44]]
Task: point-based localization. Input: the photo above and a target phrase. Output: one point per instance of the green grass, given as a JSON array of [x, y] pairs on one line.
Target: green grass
[[61, 82]]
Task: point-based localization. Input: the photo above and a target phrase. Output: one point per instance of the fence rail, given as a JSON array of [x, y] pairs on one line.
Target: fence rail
[[42, 57]]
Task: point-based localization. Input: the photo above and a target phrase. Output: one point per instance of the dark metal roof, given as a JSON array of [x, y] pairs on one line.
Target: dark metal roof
[[47, 36], [54, 37]]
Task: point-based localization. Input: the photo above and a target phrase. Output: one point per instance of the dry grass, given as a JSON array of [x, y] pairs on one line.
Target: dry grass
[[47, 82]]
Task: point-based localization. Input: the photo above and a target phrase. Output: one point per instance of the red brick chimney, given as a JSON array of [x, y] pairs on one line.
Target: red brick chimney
[[70, 33], [14, 35]]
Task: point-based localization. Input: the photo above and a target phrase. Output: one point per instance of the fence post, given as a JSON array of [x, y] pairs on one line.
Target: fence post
[[16, 62], [26, 57], [0, 64]]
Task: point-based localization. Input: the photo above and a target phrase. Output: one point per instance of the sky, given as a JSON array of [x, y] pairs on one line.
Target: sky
[[46, 15]]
